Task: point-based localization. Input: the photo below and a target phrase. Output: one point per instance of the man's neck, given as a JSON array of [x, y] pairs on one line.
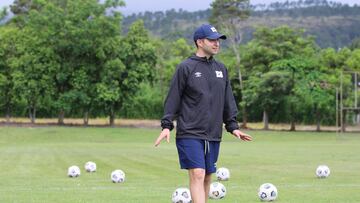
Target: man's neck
[[201, 54]]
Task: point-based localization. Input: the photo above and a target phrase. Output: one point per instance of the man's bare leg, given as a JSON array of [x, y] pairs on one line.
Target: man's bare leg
[[197, 190], [207, 183]]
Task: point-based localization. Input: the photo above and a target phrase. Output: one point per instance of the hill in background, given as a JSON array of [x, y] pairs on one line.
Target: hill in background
[[332, 24]]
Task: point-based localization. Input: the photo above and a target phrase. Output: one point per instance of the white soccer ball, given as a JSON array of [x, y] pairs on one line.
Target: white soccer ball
[[73, 171], [181, 195], [223, 174], [90, 166], [322, 171], [267, 192], [217, 190], [118, 176]]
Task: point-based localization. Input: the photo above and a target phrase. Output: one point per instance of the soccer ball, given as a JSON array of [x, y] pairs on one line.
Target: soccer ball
[[118, 176], [267, 192], [181, 195], [223, 174], [90, 166], [322, 171], [73, 171], [217, 190]]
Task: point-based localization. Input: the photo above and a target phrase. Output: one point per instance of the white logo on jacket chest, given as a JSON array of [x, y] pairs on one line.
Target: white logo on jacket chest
[[197, 74], [219, 74]]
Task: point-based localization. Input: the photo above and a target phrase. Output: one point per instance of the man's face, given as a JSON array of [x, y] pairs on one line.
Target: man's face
[[209, 46]]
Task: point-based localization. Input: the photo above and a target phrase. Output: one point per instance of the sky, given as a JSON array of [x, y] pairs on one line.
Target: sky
[[135, 6]]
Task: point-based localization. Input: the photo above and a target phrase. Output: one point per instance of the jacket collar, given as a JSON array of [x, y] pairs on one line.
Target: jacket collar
[[203, 59]]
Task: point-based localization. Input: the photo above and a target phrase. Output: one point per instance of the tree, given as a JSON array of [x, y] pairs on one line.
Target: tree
[[85, 28], [310, 87], [129, 62], [33, 69], [138, 53], [108, 91], [268, 91], [281, 45], [9, 37], [76, 32], [317, 91], [228, 15]]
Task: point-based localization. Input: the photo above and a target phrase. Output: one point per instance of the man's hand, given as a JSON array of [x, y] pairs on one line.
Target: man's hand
[[165, 133], [241, 135]]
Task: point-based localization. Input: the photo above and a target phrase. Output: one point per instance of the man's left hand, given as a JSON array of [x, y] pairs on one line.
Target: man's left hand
[[237, 133]]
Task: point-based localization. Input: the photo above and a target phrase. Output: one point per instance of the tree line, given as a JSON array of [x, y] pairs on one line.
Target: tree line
[[332, 23], [69, 58], [73, 59]]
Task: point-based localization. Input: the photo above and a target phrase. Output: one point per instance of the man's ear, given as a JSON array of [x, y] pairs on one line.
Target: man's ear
[[199, 42]]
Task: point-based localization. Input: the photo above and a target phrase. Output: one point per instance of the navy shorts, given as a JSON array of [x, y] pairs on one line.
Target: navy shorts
[[197, 153]]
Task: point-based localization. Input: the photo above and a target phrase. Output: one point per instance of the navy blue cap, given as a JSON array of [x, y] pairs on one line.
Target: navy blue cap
[[207, 31]]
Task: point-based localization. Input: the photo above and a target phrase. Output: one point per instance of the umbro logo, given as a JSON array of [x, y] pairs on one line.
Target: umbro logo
[[219, 74], [197, 74]]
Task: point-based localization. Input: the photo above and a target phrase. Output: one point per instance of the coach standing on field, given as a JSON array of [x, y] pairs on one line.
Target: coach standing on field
[[201, 100]]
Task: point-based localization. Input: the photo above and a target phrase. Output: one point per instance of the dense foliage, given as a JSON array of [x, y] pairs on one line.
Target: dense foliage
[[71, 58]]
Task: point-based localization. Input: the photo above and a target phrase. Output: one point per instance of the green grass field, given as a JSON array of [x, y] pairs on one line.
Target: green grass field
[[34, 162]]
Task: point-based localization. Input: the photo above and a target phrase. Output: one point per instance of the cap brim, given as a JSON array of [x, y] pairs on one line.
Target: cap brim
[[216, 36]]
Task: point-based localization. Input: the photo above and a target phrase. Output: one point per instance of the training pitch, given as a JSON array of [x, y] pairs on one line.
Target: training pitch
[[34, 163]]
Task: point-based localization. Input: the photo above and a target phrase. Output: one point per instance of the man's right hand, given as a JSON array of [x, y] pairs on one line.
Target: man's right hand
[[165, 133]]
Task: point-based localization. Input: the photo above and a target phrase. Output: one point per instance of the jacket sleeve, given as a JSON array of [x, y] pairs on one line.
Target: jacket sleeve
[[173, 99], [230, 108]]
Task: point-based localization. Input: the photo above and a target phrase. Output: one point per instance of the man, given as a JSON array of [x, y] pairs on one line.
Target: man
[[201, 100]]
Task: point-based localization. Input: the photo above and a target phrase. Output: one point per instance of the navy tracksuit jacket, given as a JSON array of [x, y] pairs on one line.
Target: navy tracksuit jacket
[[200, 98]]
